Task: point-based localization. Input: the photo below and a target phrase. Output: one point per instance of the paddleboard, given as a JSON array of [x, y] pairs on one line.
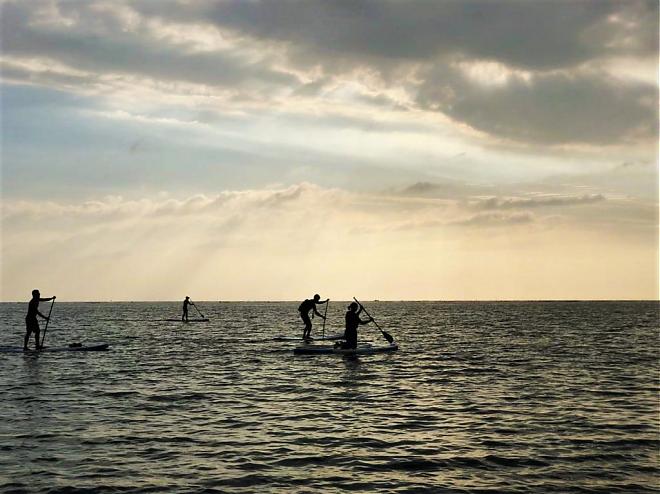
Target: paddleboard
[[189, 320], [338, 336], [99, 347], [364, 349]]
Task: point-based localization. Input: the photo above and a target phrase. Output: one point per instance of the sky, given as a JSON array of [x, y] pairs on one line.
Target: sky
[[270, 150]]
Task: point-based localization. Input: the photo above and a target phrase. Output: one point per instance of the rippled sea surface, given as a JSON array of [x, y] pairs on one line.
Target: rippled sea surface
[[481, 397]]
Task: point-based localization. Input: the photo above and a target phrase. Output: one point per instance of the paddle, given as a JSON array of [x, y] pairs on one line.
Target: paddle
[[41, 345], [327, 302], [386, 335], [200, 312]]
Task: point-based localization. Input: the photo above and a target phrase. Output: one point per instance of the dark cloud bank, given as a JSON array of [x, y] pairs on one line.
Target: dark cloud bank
[[565, 98], [551, 55]]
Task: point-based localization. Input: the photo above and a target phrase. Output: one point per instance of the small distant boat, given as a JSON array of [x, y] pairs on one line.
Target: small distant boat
[[75, 347], [363, 349]]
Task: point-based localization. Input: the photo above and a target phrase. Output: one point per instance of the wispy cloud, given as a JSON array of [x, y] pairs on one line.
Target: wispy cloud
[[496, 219], [264, 243], [536, 202]]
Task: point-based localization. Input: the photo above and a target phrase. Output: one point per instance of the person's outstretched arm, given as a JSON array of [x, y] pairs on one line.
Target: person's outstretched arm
[[318, 313], [45, 300]]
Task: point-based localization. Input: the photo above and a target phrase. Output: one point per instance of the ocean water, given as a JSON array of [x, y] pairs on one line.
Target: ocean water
[[481, 397]]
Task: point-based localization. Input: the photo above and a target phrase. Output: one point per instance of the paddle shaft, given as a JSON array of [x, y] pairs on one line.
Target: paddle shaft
[[47, 321], [387, 336], [200, 312], [368, 315], [324, 316]]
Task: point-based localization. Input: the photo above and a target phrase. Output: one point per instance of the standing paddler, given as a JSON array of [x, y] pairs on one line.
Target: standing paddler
[[186, 303], [352, 322], [31, 321], [304, 308]]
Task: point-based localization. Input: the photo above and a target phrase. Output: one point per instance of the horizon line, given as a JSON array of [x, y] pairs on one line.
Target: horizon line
[[339, 300]]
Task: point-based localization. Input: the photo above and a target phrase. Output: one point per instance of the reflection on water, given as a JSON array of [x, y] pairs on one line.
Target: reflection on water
[[517, 397]]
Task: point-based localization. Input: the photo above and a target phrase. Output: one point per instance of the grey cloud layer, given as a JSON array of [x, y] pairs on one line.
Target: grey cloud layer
[[102, 48], [537, 35], [563, 96], [550, 108], [587, 107]]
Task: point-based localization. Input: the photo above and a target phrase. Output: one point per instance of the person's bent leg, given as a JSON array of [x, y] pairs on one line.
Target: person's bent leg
[[308, 325]]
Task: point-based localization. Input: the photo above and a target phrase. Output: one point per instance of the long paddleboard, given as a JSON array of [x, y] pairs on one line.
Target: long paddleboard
[[330, 337], [364, 349], [99, 347], [189, 320]]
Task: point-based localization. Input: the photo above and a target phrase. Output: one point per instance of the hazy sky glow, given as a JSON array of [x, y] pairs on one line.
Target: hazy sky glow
[[233, 150]]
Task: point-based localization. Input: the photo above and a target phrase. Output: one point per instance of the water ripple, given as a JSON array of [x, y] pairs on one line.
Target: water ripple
[[481, 397]]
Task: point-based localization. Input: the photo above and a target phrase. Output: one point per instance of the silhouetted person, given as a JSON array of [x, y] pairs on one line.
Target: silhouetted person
[[352, 322], [31, 321], [304, 308], [186, 303]]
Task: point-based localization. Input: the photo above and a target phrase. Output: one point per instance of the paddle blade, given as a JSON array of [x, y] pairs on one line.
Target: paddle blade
[[388, 337]]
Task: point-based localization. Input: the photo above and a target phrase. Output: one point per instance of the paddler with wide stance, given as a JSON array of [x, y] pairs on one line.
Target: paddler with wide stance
[[186, 303], [352, 322], [304, 308], [31, 321]]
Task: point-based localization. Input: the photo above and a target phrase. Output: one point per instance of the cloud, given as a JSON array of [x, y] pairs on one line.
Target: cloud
[[635, 164], [536, 202], [100, 42], [558, 108], [280, 242], [199, 204], [539, 35], [533, 73], [428, 188], [495, 219], [448, 189], [554, 100]]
